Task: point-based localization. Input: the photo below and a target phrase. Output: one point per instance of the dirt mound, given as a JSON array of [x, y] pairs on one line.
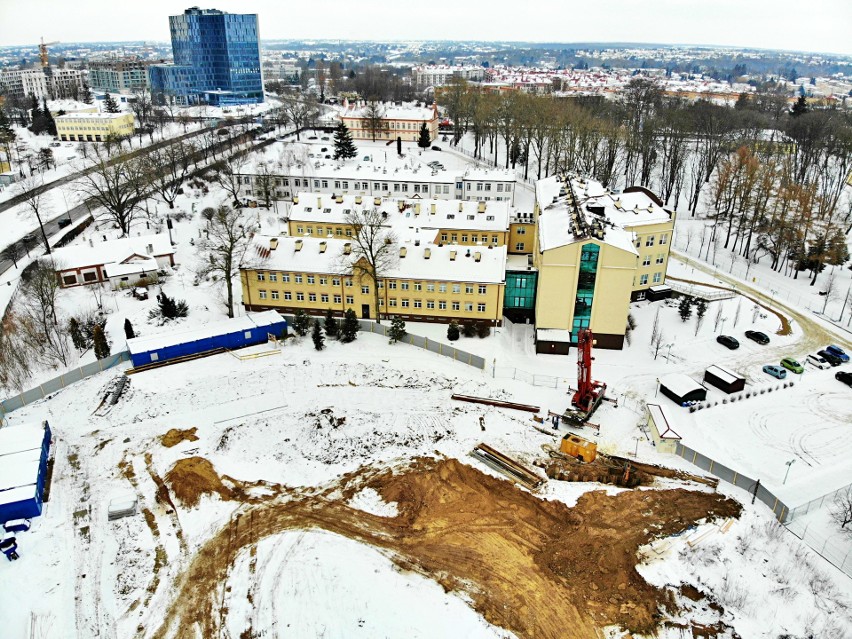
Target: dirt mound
[[192, 477], [175, 436], [538, 568]]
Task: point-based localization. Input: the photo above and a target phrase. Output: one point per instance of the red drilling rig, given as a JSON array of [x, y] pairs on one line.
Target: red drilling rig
[[589, 392]]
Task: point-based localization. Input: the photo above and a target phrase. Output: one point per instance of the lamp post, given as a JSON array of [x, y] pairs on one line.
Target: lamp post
[[668, 354], [656, 392], [724, 319], [788, 464]]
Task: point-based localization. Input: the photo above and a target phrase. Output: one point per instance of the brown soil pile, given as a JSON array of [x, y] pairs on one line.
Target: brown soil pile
[[192, 477], [175, 436], [538, 568]]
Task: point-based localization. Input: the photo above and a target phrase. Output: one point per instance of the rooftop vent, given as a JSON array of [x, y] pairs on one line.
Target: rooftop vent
[[452, 256], [357, 199], [427, 253], [323, 246], [298, 245], [481, 207], [402, 251], [477, 257], [377, 201], [347, 248], [273, 243]]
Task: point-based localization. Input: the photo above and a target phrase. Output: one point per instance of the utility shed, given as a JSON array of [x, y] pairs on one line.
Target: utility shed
[[24, 451], [660, 425], [552, 341], [659, 292], [236, 332], [682, 388], [724, 379]]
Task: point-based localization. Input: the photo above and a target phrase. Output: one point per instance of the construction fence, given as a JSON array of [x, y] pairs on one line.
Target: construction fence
[[58, 383], [548, 381], [837, 554]]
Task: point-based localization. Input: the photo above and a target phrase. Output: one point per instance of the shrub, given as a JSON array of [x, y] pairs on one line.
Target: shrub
[[468, 329], [483, 330], [453, 331]]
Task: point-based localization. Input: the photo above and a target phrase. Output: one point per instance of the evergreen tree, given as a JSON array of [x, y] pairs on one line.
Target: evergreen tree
[[344, 148], [317, 336], [398, 145], [332, 328], [700, 308], [76, 333], [129, 333], [453, 331], [38, 124], [423, 141], [110, 105], [87, 97], [100, 343], [349, 330], [7, 133], [483, 330], [301, 323], [49, 123], [468, 329], [170, 308], [397, 329], [684, 309], [800, 108]]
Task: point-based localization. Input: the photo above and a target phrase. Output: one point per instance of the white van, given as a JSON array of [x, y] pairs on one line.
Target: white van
[[818, 361]]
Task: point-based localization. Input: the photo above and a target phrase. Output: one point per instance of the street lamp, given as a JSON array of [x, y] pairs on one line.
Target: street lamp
[[724, 319], [668, 354], [788, 464], [656, 392]]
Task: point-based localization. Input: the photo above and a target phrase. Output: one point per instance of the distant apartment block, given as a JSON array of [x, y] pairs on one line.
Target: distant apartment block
[[216, 60], [435, 75], [396, 121], [53, 84], [119, 76], [93, 127]]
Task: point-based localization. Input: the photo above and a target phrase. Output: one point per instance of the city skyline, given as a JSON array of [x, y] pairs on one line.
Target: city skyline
[[761, 24]]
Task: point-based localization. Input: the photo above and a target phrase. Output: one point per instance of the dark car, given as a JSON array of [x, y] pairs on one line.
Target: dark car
[[835, 350], [436, 148], [757, 336], [728, 342], [63, 222], [832, 359], [844, 376]]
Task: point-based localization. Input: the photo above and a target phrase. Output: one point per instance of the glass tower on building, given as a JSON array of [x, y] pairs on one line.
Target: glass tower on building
[[216, 60]]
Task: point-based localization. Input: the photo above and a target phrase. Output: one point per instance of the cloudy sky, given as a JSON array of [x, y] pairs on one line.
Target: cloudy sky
[[810, 25]]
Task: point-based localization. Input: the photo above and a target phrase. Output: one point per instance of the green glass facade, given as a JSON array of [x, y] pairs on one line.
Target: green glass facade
[[586, 279], [520, 290]]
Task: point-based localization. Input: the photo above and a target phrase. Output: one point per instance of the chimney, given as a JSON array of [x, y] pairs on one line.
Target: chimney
[[295, 199], [417, 209], [339, 199], [358, 199], [273, 243], [323, 246], [298, 245], [347, 248], [461, 206], [427, 253], [452, 256], [477, 257], [319, 202], [150, 249], [402, 251], [433, 208], [417, 242], [377, 201], [481, 207]]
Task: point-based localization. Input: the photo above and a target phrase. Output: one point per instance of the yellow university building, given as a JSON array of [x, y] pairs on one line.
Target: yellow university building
[[396, 122], [597, 251], [93, 127]]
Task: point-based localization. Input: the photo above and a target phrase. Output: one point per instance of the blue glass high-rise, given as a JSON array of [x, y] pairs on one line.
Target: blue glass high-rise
[[216, 59]]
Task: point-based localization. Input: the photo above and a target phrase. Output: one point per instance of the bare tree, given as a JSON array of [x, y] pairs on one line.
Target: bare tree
[[36, 201], [42, 329], [115, 186], [228, 174], [264, 183], [225, 249], [374, 250], [167, 168], [830, 290], [15, 362], [374, 114], [718, 318], [300, 110], [841, 510]]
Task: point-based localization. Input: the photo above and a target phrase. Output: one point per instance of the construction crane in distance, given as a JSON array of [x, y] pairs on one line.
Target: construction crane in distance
[[589, 392], [42, 51]]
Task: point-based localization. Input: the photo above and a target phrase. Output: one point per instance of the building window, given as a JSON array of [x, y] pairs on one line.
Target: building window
[[442, 305], [661, 258], [365, 290], [643, 279], [418, 304], [348, 283], [480, 308], [275, 295], [298, 279], [646, 261], [468, 288], [310, 279], [464, 237], [312, 297], [657, 277], [392, 285], [404, 286], [519, 246], [262, 294], [456, 288], [392, 301], [285, 277], [468, 307], [430, 288], [482, 289], [324, 298], [494, 239], [323, 281], [442, 288], [338, 299], [404, 303], [430, 303], [664, 238], [418, 286], [300, 297], [288, 295], [649, 241], [443, 237], [335, 281], [261, 277], [456, 306], [273, 277], [350, 300], [521, 230]]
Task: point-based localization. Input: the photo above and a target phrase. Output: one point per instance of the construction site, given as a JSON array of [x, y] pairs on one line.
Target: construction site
[[291, 495]]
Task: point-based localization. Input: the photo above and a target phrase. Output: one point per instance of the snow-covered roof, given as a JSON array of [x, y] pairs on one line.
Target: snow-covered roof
[[680, 384], [726, 375], [426, 261], [392, 112], [78, 256], [132, 267], [553, 335], [77, 117], [20, 457], [415, 213], [556, 228], [14, 439], [662, 421], [222, 327]]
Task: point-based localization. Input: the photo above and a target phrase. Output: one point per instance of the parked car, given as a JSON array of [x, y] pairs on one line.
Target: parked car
[[792, 365], [775, 371], [757, 336], [63, 222], [728, 342], [312, 137], [844, 376], [436, 148], [816, 360], [324, 149], [838, 352], [834, 360], [55, 144], [325, 137]]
